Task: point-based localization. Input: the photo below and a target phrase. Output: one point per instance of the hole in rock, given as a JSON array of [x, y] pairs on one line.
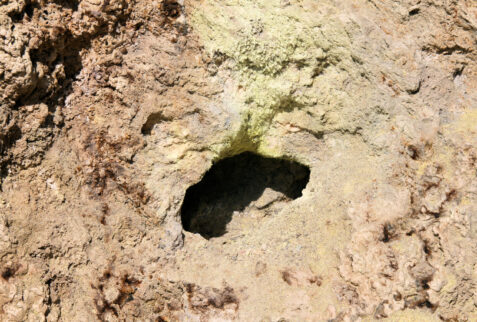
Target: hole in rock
[[236, 184], [171, 8]]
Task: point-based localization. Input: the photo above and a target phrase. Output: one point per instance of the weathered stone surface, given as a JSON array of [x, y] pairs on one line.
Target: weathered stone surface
[[111, 110]]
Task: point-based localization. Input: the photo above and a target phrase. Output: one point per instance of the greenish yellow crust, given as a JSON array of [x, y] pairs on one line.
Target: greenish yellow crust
[[274, 54]]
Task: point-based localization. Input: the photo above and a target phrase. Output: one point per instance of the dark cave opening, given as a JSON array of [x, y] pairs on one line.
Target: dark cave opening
[[232, 184]]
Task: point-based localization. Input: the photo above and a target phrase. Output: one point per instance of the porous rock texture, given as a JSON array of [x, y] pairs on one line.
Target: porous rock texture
[[111, 109]]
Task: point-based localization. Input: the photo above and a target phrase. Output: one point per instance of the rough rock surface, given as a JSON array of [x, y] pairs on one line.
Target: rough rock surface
[[111, 110]]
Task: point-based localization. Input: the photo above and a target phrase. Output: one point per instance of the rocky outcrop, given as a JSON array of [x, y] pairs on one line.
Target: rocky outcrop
[[112, 111]]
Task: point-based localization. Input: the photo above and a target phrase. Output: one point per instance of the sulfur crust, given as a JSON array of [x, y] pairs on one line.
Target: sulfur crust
[[275, 61]]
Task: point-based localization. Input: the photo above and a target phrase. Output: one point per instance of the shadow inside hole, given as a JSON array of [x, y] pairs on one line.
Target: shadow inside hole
[[232, 184]]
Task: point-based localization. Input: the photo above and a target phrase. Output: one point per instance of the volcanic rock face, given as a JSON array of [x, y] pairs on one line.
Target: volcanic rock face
[[281, 160]]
